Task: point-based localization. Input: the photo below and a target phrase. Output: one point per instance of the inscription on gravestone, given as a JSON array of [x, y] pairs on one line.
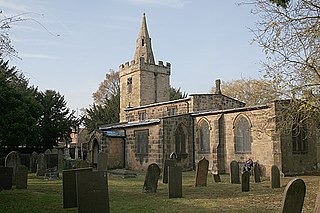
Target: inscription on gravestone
[[92, 196], [22, 177], [151, 179], [245, 182], [202, 172], [275, 177], [70, 187], [294, 196], [167, 164], [234, 172], [6, 177], [175, 182]]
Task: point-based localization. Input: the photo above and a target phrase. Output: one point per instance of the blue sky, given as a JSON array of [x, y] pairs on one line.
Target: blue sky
[[203, 40]]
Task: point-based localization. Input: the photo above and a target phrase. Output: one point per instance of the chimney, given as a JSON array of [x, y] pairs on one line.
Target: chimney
[[218, 89]]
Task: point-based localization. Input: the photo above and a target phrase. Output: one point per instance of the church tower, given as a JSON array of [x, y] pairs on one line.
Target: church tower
[[143, 82]]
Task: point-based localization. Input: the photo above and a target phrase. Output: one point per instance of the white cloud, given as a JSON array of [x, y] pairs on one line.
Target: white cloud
[[166, 3], [36, 56], [10, 5]]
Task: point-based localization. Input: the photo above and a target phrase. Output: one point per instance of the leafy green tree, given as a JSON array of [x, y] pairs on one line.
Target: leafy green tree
[[19, 109], [56, 119], [176, 94]]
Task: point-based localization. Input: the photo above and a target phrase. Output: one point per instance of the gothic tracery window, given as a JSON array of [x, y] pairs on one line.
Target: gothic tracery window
[[242, 135]]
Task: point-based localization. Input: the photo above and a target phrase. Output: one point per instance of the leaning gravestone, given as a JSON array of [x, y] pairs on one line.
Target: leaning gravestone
[[22, 177], [92, 196], [202, 172], [41, 165], [294, 196], [151, 179], [13, 160], [257, 173], [234, 172], [102, 164], [70, 187], [6, 178], [33, 161], [245, 181], [275, 177], [167, 164], [175, 181]]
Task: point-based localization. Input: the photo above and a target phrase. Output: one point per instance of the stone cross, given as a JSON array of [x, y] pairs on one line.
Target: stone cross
[[151, 179], [294, 196], [175, 182], [275, 177], [234, 172], [202, 172], [245, 181]]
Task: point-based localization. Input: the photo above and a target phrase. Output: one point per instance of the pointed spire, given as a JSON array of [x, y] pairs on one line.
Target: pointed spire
[[143, 48]]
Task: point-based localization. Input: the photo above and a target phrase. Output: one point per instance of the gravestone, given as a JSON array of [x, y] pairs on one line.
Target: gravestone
[[317, 206], [6, 178], [92, 196], [275, 177], [202, 172], [41, 165], [294, 196], [102, 164], [70, 187], [25, 160], [151, 179], [175, 181], [234, 172], [167, 164], [52, 160], [216, 178], [33, 161], [257, 172], [22, 177], [54, 151], [60, 158], [245, 181], [13, 160]]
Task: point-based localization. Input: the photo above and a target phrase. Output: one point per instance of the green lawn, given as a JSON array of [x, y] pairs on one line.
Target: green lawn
[[126, 196]]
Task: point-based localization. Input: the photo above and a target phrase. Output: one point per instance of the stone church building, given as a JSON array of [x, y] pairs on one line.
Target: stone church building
[[213, 126]]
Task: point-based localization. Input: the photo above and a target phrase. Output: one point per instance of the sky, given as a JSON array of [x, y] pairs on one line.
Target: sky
[[70, 45]]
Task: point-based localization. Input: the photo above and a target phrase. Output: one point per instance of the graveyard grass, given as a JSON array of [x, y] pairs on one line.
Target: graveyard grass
[[126, 195]]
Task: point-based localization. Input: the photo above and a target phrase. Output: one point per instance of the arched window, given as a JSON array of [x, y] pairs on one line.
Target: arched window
[[180, 138], [242, 135], [204, 136]]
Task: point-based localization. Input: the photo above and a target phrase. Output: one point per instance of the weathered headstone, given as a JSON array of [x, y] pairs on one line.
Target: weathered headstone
[[202, 172], [102, 164], [175, 182], [317, 205], [6, 177], [257, 172], [41, 165], [92, 196], [275, 177], [151, 179], [25, 160], [234, 172], [47, 152], [216, 178], [70, 186], [52, 160], [245, 181], [294, 196], [22, 177], [13, 160], [33, 161], [167, 164]]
